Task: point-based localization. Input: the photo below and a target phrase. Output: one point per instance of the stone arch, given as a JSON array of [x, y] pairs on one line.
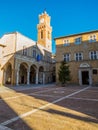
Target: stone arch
[[41, 69], [23, 73], [41, 75], [33, 69], [8, 74], [84, 65]]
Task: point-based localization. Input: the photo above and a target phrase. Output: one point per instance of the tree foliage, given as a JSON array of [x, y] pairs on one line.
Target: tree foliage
[[64, 73]]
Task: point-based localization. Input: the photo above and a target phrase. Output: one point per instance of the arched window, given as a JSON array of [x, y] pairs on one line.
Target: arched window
[[42, 34]]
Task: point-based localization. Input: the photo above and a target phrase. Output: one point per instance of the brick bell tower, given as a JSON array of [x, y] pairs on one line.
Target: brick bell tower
[[44, 37]]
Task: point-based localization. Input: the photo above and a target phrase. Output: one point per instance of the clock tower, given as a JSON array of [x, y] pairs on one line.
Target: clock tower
[[45, 31]]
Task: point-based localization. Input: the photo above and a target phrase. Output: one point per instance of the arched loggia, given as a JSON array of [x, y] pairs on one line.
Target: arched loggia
[[23, 73], [33, 74], [8, 74], [41, 75]]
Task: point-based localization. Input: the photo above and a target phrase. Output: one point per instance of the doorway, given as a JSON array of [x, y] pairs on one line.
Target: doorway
[[33, 74], [85, 77], [8, 74], [22, 80], [23, 73]]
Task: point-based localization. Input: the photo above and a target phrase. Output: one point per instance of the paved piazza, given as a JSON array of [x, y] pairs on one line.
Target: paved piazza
[[49, 107]]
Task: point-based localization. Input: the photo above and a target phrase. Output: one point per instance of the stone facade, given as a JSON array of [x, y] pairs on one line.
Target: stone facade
[[24, 61], [80, 51]]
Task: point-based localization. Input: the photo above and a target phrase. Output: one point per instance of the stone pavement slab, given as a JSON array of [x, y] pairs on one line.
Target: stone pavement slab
[[4, 128]]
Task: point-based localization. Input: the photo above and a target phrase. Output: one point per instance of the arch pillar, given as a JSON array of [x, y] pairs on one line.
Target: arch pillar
[[80, 79], [17, 75], [4, 76], [90, 77], [28, 76], [36, 76], [43, 77], [12, 77]]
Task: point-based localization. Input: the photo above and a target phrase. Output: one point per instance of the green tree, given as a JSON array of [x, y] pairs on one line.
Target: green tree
[[64, 73]]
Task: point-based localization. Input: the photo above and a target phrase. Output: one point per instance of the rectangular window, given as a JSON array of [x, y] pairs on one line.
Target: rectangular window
[[67, 57], [24, 50], [78, 41], [41, 56], [79, 56], [94, 71], [34, 53], [66, 42], [92, 38], [48, 59], [93, 55]]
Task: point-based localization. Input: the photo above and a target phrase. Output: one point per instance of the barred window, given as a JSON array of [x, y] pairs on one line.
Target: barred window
[[94, 71]]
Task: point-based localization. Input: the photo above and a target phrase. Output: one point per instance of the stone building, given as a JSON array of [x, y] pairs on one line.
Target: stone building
[[24, 61], [80, 51]]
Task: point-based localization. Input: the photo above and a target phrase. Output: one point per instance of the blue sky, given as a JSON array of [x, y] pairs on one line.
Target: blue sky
[[67, 16]]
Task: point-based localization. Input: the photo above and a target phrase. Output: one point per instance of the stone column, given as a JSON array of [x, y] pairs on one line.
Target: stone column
[[4, 77], [28, 76], [80, 77], [12, 77], [90, 77], [17, 77], [17, 74], [43, 78], [36, 76]]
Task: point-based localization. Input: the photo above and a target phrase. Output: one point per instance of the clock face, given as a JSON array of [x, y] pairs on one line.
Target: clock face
[[42, 20]]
